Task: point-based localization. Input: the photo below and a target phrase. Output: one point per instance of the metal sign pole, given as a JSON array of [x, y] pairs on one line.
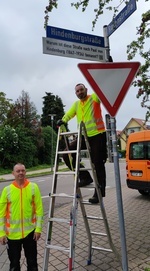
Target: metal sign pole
[[119, 195], [117, 173]]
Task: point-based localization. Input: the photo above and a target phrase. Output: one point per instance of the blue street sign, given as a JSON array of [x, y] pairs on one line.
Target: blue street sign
[[74, 36], [121, 17]]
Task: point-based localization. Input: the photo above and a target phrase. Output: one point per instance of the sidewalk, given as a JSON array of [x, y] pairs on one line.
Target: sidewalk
[[9, 177], [137, 224]]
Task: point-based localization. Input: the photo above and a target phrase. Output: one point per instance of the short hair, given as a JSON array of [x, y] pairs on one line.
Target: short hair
[[18, 164], [80, 84]]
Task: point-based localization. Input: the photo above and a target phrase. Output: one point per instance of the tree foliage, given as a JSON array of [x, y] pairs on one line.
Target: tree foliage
[[17, 145], [26, 109], [53, 110], [47, 150], [5, 105], [98, 9], [140, 46], [23, 111], [8, 145], [27, 149], [22, 139]]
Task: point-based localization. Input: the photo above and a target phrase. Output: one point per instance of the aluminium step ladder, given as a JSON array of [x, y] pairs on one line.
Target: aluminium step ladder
[[76, 197]]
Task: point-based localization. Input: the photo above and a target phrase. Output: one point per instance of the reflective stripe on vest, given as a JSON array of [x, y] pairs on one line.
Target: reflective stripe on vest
[[95, 122], [23, 224]]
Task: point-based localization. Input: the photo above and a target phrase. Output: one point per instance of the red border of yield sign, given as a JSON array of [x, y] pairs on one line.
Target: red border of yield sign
[[134, 66]]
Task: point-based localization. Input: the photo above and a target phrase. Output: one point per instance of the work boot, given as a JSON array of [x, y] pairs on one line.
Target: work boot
[[94, 199]]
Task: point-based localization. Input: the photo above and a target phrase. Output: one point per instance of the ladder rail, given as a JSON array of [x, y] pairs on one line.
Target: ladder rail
[[87, 227], [52, 199], [77, 199], [73, 228], [100, 197], [78, 191], [51, 211], [75, 202]]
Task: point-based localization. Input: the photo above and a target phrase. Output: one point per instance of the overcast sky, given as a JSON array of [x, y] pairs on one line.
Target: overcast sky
[[23, 66]]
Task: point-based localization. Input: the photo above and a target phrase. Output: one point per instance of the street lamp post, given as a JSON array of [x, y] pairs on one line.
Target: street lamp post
[[52, 120]]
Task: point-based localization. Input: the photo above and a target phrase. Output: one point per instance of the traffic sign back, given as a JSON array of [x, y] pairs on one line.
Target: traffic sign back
[[110, 81]]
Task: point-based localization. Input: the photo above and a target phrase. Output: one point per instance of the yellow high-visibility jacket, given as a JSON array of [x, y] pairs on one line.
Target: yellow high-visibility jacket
[[88, 111], [21, 210]]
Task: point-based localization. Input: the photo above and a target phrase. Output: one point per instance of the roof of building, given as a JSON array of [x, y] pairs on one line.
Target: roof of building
[[141, 122]]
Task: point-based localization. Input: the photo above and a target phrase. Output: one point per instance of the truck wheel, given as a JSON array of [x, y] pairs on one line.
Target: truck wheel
[[144, 193]]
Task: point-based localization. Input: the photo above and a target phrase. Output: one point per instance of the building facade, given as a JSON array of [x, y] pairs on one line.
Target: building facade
[[134, 125]]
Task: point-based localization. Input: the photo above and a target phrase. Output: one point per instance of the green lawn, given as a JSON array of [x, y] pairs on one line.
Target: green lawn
[[8, 171]]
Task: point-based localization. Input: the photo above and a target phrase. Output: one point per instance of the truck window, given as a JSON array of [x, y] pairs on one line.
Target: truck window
[[137, 151], [140, 150], [148, 150]]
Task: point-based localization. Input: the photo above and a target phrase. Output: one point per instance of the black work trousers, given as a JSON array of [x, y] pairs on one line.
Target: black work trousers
[[98, 156], [14, 248]]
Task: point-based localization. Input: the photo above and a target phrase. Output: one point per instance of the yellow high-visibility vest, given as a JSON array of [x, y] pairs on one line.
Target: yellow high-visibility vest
[[21, 210], [88, 111]]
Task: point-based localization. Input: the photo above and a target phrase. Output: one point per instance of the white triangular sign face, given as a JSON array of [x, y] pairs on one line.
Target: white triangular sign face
[[110, 81]]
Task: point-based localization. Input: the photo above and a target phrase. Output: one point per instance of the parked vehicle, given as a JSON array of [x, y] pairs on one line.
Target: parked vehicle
[[138, 161]]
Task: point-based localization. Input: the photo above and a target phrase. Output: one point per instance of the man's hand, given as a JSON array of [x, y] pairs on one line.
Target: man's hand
[[60, 122], [3, 240], [36, 236]]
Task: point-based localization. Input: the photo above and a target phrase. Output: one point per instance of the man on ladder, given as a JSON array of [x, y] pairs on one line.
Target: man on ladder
[[88, 110]]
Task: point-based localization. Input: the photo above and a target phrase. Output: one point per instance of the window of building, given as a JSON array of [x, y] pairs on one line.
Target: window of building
[[132, 130]]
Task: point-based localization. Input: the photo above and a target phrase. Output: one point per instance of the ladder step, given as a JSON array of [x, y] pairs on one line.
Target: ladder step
[[62, 195], [57, 248], [69, 133], [70, 221], [91, 185], [55, 219], [65, 172], [98, 233], [83, 168], [102, 248], [95, 217], [67, 152], [86, 202]]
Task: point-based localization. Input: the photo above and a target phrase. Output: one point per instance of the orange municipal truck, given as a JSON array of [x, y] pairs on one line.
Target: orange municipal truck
[[138, 161]]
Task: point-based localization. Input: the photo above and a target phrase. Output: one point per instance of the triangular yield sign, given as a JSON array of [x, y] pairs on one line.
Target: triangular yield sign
[[110, 81]]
